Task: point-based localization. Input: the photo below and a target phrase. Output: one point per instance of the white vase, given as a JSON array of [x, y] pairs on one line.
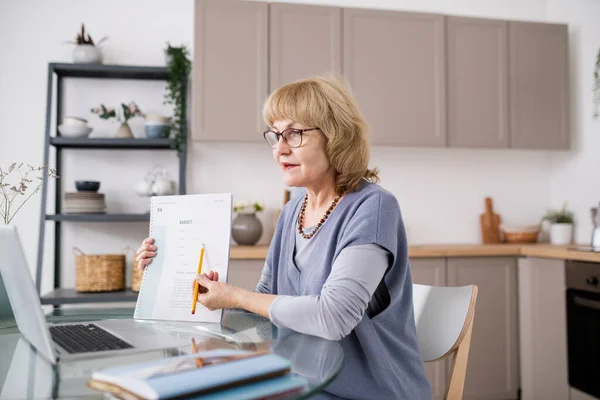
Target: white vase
[[561, 233], [87, 54], [124, 131]]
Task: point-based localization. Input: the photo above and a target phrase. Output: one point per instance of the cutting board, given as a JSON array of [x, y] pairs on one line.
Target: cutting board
[[490, 223]]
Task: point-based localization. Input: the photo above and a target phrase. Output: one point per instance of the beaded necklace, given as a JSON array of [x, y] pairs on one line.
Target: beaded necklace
[[321, 222]]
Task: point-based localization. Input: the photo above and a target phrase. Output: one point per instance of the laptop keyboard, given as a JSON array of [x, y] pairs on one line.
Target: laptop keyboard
[[85, 338]]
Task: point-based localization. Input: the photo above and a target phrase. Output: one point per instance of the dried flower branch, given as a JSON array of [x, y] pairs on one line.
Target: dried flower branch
[[11, 191]]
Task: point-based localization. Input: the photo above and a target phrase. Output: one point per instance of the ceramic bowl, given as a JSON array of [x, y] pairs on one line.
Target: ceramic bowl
[[74, 130], [87, 186], [157, 118], [74, 121], [157, 131]]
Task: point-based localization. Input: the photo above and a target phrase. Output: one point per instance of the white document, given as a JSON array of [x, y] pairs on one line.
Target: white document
[[180, 225]]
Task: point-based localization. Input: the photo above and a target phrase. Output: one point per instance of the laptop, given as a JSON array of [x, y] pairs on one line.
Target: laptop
[[73, 341]]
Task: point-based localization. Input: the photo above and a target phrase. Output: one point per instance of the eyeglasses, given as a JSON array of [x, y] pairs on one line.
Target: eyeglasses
[[291, 136]]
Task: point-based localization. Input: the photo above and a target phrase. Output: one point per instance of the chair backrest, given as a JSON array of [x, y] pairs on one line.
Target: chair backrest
[[444, 321]]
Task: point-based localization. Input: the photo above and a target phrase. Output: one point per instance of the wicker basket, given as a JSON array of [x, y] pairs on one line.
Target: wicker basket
[[99, 273]]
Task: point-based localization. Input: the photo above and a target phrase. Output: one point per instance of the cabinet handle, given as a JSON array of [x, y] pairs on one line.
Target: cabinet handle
[[587, 302]]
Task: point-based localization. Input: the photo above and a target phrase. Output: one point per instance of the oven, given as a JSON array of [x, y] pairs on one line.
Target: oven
[[583, 325]]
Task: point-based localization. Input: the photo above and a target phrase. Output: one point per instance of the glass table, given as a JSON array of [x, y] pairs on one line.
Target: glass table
[[24, 374]]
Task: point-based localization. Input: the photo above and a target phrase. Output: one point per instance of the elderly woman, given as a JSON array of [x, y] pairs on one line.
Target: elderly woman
[[337, 266]]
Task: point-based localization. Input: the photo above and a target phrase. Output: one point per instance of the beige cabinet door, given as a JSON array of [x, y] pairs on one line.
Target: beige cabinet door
[[477, 77], [305, 41], [395, 64], [543, 329], [492, 370], [245, 273], [539, 94], [432, 271], [229, 70]]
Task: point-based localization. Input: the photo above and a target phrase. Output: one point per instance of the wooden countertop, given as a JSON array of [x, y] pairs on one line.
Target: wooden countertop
[[542, 250]]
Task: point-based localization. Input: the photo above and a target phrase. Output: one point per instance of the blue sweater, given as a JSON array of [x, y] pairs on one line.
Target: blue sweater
[[382, 358]]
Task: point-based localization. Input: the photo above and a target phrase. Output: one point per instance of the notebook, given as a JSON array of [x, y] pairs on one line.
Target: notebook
[[215, 374], [181, 226]]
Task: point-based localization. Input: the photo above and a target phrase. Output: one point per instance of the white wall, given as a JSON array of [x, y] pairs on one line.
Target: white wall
[[576, 175], [440, 191]]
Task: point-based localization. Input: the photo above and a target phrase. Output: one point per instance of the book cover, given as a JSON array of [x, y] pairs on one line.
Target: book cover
[[208, 373]]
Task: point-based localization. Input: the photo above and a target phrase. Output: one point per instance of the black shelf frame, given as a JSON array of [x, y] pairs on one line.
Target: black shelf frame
[[57, 72], [109, 143]]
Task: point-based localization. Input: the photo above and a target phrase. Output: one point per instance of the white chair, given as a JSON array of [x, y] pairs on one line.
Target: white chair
[[444, 320]]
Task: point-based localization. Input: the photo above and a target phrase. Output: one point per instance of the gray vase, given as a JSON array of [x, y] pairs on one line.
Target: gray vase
[[246, 229]]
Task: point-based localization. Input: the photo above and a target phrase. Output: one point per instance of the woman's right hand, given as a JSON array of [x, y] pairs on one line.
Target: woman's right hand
[[145, 253]]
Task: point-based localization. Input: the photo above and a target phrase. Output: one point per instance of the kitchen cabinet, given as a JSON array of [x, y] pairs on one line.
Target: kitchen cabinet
[[543, 330], [421, 79], [305, 41], [539, 92], [477, 76], [245, 273], [230, 70], [395, 63], [432, 271], [492, 370]]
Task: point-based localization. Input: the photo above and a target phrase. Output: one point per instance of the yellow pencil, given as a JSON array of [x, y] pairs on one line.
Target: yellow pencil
[[197, 286]]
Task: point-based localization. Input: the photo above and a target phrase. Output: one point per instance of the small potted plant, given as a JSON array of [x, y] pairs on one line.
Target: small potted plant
[[86, 51], [561, 225], [247, 228], [128, 111]]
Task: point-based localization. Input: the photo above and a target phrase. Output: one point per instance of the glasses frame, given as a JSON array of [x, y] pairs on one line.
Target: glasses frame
[[280, 135]]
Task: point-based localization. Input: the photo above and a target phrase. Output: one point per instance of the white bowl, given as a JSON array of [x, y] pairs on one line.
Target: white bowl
[[74, 121], [74, 131]]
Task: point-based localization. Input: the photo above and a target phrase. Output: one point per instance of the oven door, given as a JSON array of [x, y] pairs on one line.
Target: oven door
[[583, 340]]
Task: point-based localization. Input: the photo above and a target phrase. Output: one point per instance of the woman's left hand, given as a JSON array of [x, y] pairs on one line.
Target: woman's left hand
[[216, 295]]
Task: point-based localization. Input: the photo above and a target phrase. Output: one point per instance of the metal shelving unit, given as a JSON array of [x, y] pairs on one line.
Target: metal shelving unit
[[59, 71]]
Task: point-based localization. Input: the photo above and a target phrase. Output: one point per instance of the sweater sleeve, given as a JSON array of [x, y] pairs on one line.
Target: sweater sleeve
[[355, 275], [264, 285]]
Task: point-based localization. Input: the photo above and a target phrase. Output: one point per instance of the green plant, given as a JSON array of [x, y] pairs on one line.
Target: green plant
[[11, 191], [596, 87], [179, 67], [562, 216], [243, 206], [82, 39], [129, 111]]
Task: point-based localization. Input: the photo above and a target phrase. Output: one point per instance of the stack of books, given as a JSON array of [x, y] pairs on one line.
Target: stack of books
[[214, 375], [83, 203]]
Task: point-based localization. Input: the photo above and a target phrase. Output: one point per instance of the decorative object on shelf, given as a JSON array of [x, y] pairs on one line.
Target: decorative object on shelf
[[157, 182], [87, 186], [247, 228], [179, 66], [157, 126], [520, 233], [84, 202], [561, 225], [86, 51], [74, 127], [15, 190], [489, 223], [596, 87], [128, 111], [100, 272]]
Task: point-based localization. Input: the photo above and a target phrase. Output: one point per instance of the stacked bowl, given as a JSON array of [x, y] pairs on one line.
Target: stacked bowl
[[157, 126], [74, 127]]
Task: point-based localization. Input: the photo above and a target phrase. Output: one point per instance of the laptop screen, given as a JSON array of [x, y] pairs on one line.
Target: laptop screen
[[18, 287]]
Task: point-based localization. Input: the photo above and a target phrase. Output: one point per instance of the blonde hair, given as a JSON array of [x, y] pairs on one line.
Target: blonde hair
[[327, 102]]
